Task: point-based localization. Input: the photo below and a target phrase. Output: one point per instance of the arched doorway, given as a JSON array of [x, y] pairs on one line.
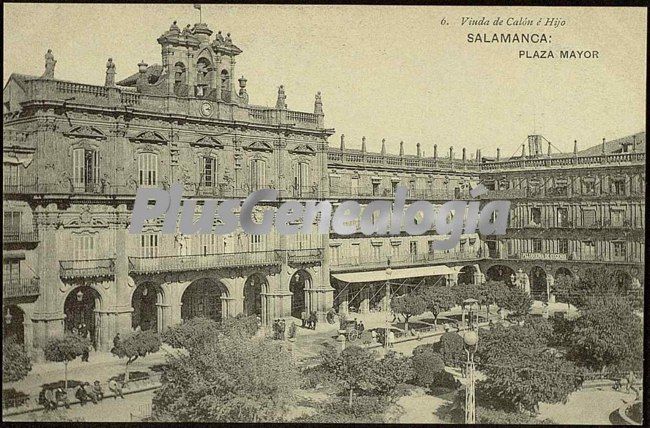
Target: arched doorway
[[538, 284], [563, 272], [500, 273], [623, 280], [81, 313], [253, 288], [145, 309], [203, 298], [466, 275], [299, 281], [12, 325]]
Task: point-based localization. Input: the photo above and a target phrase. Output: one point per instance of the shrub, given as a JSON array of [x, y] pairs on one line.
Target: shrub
[[313, 377], [16, 363], [12, 398], [451, 349], [426, 362], [443, 379], [366, 409]]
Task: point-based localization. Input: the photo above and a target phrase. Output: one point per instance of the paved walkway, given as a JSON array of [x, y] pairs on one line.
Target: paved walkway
[[587, 406], [420, 408]]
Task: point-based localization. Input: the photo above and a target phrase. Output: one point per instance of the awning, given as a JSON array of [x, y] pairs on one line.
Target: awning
[[381, 275]]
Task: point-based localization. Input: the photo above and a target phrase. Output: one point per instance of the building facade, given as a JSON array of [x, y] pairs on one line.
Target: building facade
[[74, 156]]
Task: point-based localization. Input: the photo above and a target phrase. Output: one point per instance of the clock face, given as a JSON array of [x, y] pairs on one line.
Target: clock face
[[206, 109]]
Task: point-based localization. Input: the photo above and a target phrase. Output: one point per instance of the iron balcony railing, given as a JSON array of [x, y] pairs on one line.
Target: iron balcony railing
[[13, 236], [96, 268], [158, 264], [413, 194], [405, 260], [20, 287]]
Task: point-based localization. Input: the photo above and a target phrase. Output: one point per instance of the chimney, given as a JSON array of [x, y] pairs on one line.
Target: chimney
[[498, 154], [575, 147], [435, 151], [419, 152], [342, 142], [464, 155], [401, 148], [363, 144]]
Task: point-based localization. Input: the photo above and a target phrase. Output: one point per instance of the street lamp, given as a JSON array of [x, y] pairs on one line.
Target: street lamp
[[472, 308], [471, 341], [389, 271]]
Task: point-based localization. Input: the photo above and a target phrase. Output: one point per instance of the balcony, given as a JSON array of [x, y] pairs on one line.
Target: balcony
[[364, 262], [23, 287], [142, 265], [12, 236], [96, 268], [386, 194]]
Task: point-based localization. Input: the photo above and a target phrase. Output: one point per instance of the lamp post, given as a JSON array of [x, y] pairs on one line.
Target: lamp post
[[472, 313], [389, 271], [471, 341]]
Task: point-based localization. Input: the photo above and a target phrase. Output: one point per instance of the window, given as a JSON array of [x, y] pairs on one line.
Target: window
[[431, 245], [413, 250], [588, 217], [463, 245], [208, 171], [258, 174], [588, 250], [83, 247], [376, 252], [148, 169], [589, 187], [394, 188], [618, 187], [335, 255], [257, 243], [537, 245], [562, 246], [375, 188], [562, 217], [11, 224], [301, 179], [617, 217], [11, 175], [85, 170], [535, 217], [208, 244], [149, 245], [11, 271], [394, 252], [354, 185], [619, 250]]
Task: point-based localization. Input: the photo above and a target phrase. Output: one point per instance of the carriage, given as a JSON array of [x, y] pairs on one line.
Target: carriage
[[352, 331]]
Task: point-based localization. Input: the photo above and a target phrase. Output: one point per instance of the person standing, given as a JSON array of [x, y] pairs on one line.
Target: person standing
[[283, 328], [391, 338], [303, 318]]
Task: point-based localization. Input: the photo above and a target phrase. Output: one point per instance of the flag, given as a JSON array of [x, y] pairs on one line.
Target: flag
[[197, 6]]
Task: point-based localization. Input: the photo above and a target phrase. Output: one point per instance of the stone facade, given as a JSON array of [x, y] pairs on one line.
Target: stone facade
[[74, 156]]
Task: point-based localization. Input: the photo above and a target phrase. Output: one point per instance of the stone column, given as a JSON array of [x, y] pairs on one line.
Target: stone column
[[385, 300], [123, 306], [343, 300]]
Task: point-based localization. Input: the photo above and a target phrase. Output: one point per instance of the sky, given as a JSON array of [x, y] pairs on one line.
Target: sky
[[392, 72]]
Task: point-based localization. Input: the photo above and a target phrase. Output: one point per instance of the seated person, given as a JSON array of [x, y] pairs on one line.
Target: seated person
[[97, 389]]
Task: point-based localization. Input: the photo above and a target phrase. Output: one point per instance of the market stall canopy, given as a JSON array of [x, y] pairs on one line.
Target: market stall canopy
[[382, 275]]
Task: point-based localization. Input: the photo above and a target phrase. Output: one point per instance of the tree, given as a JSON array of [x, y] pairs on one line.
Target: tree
[[233, 378], [515, 300], [427, 363], [353, 368], [16, 363], [596, 283], [439, 299], [391, 371], [451, 349], [489, 291], [190, 334], [521, 369], [135, 345], [608, 336], [65, 349], [408, 305]]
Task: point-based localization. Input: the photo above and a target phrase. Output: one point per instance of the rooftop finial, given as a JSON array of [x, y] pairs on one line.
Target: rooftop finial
[[318, 104], [634, 143], [50, 62], [383, 146], [603, 145], [418, 151], [435, 151], [282, 98], [342, 142], [575, 147], [401, 148]]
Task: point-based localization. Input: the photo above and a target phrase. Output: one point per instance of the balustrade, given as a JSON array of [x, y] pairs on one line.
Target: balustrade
[[94, 268], [19, 287]]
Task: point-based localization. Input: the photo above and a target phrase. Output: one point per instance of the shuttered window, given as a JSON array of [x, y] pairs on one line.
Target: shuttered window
[[148, 169]]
